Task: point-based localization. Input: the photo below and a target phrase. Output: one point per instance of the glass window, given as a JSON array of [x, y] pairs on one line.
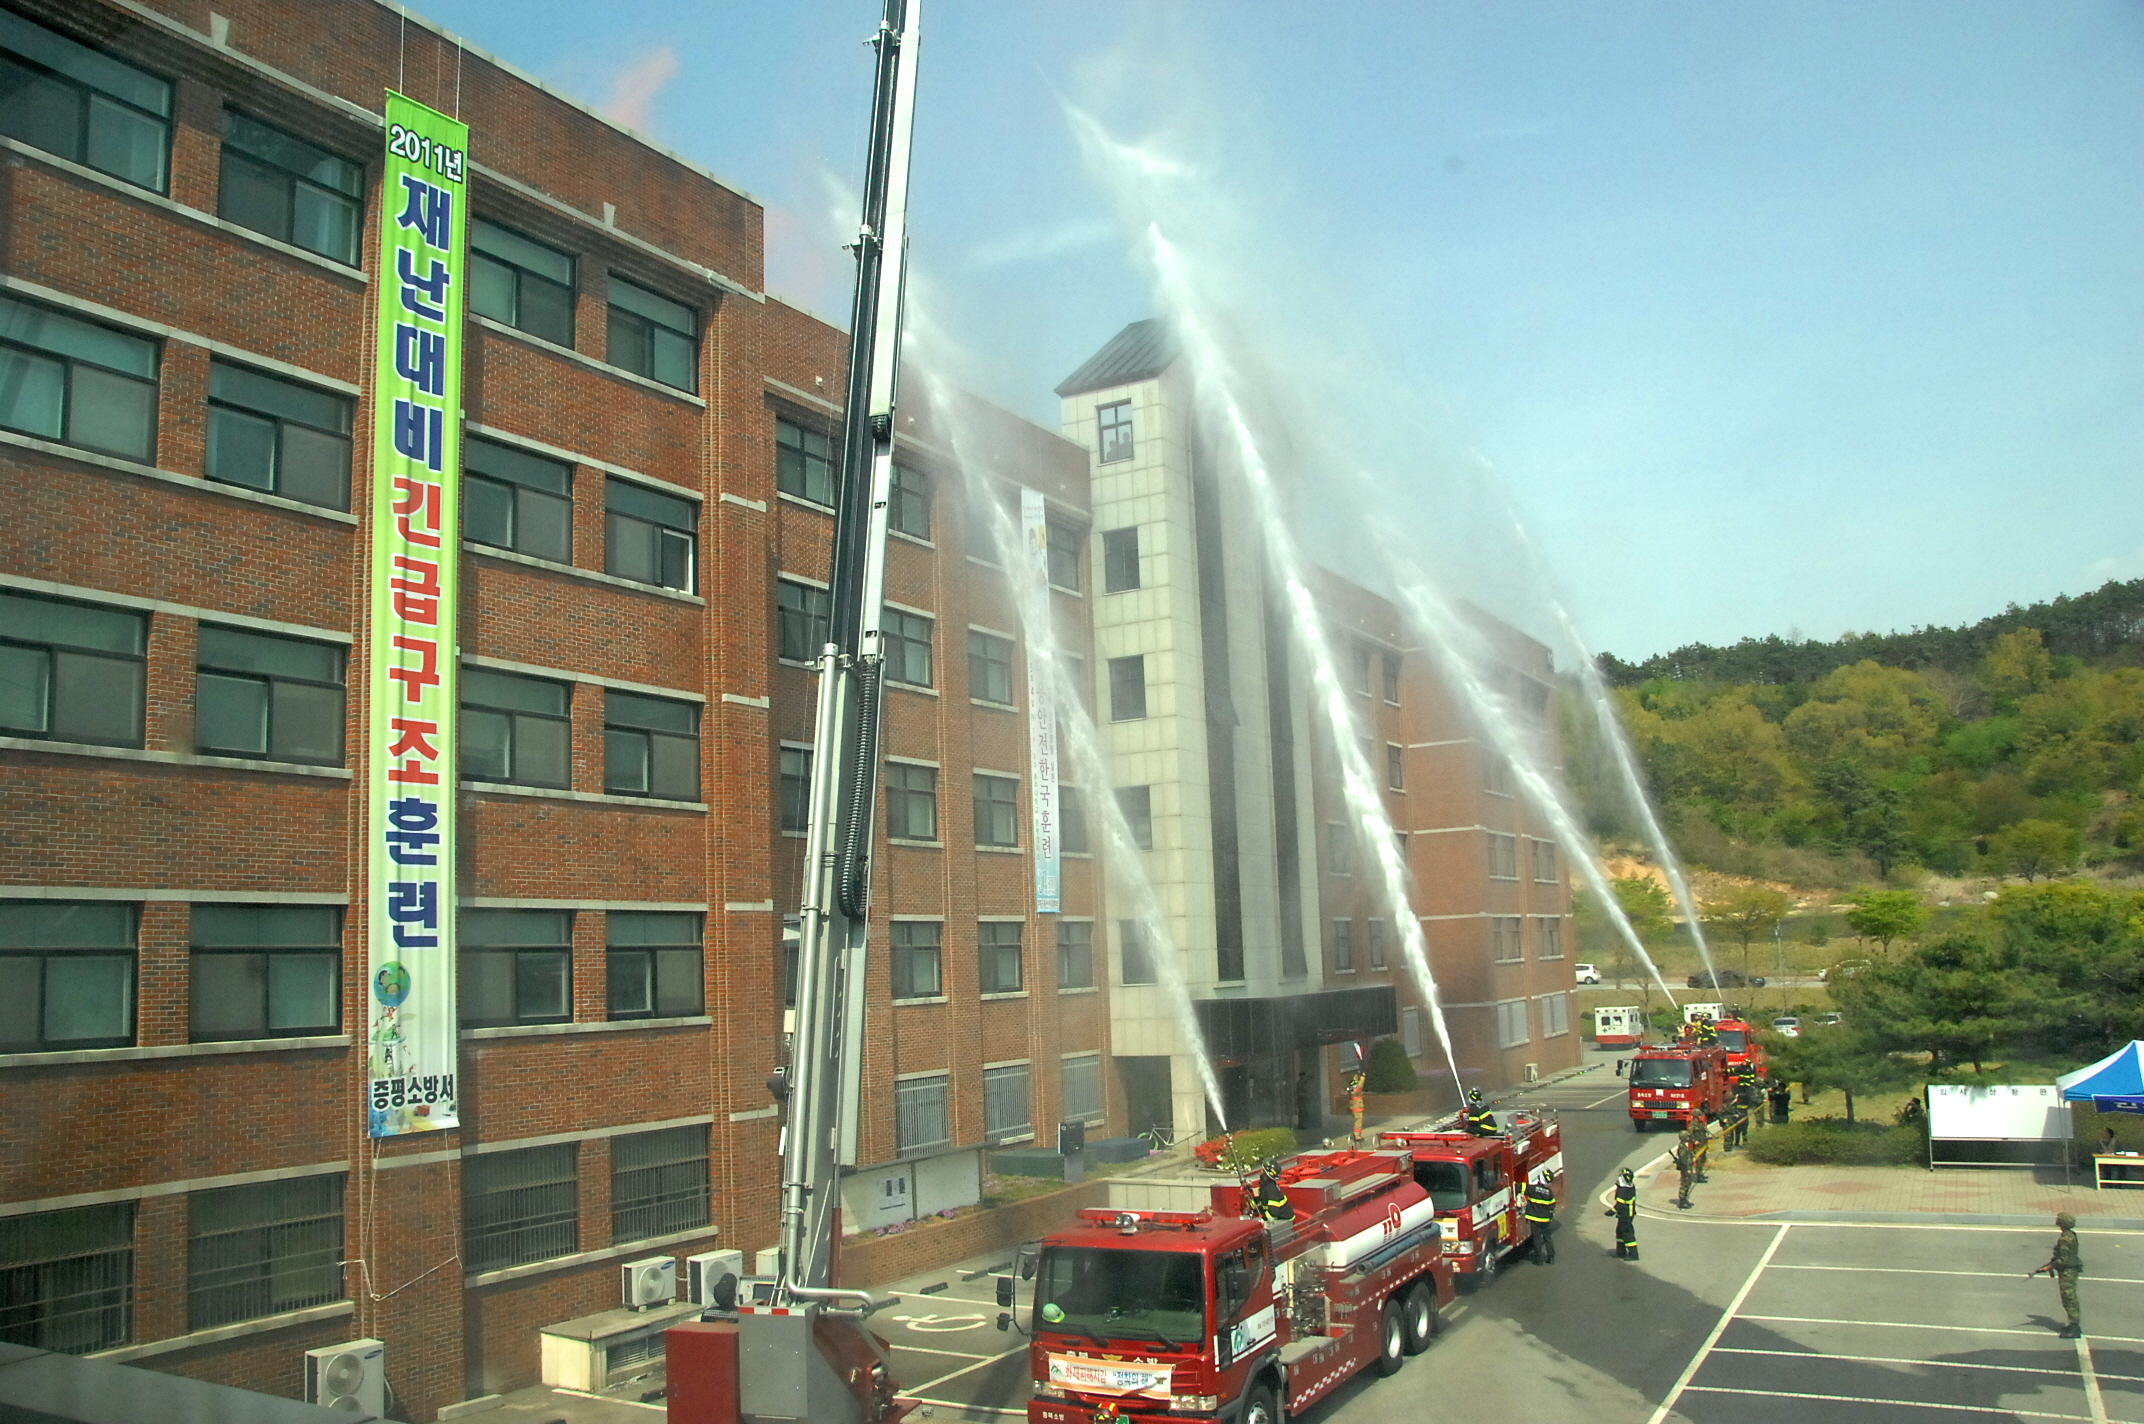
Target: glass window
[[1138, 960], [1075, 954], [1503, 856], [998, 943], [1123, 1295], [1005, 1102], [82, 104], [1137, 805], [803, 615], [989, 668], [1071, 820], [70, 975], [1339, 849], [1362, 667], [911, 801], [71, 672], [803, 462], [1081, 1087], [1120, 559], [75, 382], [1395, 767], [655, 965], [269, 434], [1115, 421], [1064, 549], [918, 959], [519, 1207], [67, 1277], [1495, 774], [1545, 870], [1344, 946], [521, 282], [263, 1249], [516, 967], [649, 537], [920, 1117], [266, 971], [651, 746], [279, 185], [658, 1183], [796, 788], [653, 336], [514, 729], [1374, 938], [1555, 1015], [907, 642], [1505, 943], [258, 695], [909, 510], [1512, 1028], [1392, 679], [514, 500], [1127, 688], [1551, 937], [996, 807]]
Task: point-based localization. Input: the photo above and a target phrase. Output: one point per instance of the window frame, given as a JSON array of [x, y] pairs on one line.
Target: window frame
[[1545, 855], [1514, 1025], [1555, 1013], [1392, 679], [271, 681], [682, 539], [508, 1240], [909, 502], [1073, 832], [223, 405], [993, 956], [1548, 936], [997, 810], [137, 662], [1114, 442], [805, 462], [998, 1082], [196, 950], [937, 1091], [259, 1252], [516, 492], [1339, 849], [907, 946], [1120, 560], [1503, 849], [990, 667], [295, 182], [522, 273], [1395, 767], [69, 362], [43, 955], [812, 619], [621, 951], [1075, 956], [1343, 944], [513, 776], [1507, 933], [792, 789], [650, 739], [903, 795], [1086, 1062], [1136, 805], [85, 94], [1121, 684], [904, 647], [1373, 941], [674, 1189], [655, 327], [514, 949], [35, 1251], [1062, 547]]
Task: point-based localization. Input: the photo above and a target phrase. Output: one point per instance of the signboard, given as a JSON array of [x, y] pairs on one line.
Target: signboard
[[412, 1032], [1118, 1377], [1041, 711], [2020, 1113]]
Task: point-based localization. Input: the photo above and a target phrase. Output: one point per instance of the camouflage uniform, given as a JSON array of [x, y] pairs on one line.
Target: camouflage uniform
[[1686, 1170], [2065, 1265]]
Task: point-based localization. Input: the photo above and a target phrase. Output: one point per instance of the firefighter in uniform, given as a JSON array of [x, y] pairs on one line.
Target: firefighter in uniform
[[1705, 1034], [1268, 1201], [1625, 1212], [1541, 1217], [1478, 1119], [2065, 1265]]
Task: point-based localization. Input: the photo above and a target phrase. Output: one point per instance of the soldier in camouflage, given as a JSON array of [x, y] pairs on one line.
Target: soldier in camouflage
[[2066, 1265]]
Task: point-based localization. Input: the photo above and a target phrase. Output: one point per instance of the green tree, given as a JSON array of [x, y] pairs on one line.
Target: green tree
[[2080, 950], [1842, 1056], [2035, 848], [1885, 915], [1746, 913], [1388, 1070], [1958, 1000], [1645, 902], [2017, 666]]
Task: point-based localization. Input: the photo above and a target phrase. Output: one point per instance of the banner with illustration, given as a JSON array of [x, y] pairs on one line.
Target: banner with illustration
[[1041, 710], [413, 1029]]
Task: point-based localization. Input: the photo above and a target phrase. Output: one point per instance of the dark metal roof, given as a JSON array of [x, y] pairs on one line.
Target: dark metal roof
[[1143, 349]]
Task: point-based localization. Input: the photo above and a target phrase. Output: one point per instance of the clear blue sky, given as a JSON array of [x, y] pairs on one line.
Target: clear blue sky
[[1774, 317]]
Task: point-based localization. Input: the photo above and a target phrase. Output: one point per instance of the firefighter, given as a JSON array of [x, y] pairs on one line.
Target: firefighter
[[2065, 1265], [1268, 1201], [1706, 1034], [1685, 1171], [1541, 1217], [1478, 1119], [1625, 1212], [1782, 1100]]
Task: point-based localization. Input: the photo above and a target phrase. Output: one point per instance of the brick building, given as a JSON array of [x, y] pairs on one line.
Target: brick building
[[188, 254]]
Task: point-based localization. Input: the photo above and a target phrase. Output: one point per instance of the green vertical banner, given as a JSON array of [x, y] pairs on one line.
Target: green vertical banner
[[413, 1032]]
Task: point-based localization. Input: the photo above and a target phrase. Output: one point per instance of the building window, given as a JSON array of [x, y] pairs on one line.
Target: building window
[[1411, 1031], [265, 971], [521, 282], [1138, 957], [998, 946], [263, 1249], [82, 104], [1363, 658], [1495, 774], [909, 510], [1120, 560], [1503, 856], [256, 695], [1511, 1025], [76, 382], [911, 801], [651, 746], [996, 811], [803, 615], [516, 967], [920, 1117], [293, 191], [1392, 679], [1551, 937], [1127, 688], [70, 976], [654, 965], [71, 672], [989, 668], [906, 638], [803, 463], [1080, 1087], [1075, 954], [1339, 849], [649, 537], [269, 434], [1071, 821], [795, 773], [1395, 767], [515, 730], [1137, 805], [1374, 937], [653, 336], [1005, 1102], [67, 1277], [519, 1207], [1545, 871], [514, 500], [1555, 1015], [1064, 543], [1116, 431], [658, 1183], [1505, 944], [1344, 946], [918, 959]]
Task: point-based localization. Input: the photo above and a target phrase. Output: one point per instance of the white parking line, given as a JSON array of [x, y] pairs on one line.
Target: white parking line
[[1609, 1099], [1726, 1318], [970, 1408], [2092, 1401], [964, 1369], [1896, 1403], [1927, 1271], [926, 1350], [1925, 1325], [1898, 1360]]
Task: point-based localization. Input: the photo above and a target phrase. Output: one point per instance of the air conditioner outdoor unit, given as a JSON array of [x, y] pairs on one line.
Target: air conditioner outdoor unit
[[350, 1378], [650, 1281], [703, 1271], [1533, 1072]]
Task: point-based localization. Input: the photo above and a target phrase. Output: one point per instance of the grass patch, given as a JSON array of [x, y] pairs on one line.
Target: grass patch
[[1003, 1191], [1833, 1141]]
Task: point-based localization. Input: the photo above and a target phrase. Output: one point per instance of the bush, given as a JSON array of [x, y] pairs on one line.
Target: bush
[[1832, 1141], [1388, 1070], [1237, 1151]]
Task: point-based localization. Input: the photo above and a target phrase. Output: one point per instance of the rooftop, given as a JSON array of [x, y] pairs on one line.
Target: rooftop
[[1143, 349]]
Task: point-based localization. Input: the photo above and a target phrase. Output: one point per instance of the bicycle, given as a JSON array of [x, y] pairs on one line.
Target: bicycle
[[1159, 1139]]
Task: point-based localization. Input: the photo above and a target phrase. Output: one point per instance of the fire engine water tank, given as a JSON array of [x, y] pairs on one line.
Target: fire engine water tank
[[1365, 1229]]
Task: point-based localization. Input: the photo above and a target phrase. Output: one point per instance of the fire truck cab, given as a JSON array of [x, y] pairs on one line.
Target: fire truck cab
[[1674, 1083], [1738, 1036], [1154, 1315], [1478, 1185]]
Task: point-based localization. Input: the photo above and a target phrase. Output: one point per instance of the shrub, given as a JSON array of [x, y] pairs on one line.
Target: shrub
[[1831, 1141], [1388, 1070], [1234, 1152]]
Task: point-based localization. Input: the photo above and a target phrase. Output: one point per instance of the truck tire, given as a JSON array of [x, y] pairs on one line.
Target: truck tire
[[1418, 1307], [1259, 1406], [1391, 1338], [1640, 1124]]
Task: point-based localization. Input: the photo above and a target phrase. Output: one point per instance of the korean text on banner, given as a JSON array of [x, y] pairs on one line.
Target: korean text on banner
[[1041, 712], [410, 749]]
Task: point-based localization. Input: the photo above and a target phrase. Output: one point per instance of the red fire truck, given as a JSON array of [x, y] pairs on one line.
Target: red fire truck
[[1153, 1315], [1739, 1037], [1668, 1085], [1478, 1185]]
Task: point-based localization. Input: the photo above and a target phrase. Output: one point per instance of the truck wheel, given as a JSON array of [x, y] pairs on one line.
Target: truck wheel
[[1419, 1309], [1259, 1406], [1640, 1124], [1391, 1338], [1486, 1271]]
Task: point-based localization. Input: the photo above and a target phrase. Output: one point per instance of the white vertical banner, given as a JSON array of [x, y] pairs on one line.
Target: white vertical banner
[[1041, 708]]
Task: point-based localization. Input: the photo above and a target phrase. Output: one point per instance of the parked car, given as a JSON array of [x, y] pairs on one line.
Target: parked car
[[1827, 1020], [1787, 1026], [1844, 969], [1587, 974], [1725, 979]]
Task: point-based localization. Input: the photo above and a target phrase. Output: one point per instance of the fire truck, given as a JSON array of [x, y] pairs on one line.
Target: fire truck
[[1478, 1185], [1152, 1315], [1739, 1037], [1670, 1084]]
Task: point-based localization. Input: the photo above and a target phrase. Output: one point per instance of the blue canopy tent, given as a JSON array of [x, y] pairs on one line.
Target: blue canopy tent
[[2113, 1084]]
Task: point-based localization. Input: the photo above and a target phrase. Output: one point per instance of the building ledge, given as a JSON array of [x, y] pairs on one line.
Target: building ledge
[[918, 1003], [581, 358], [650, 1247], [785, 497], [1081, 989], [1000, 850], [552, 793], [601, 1026], [1004, 994], [171, 477], [993, 706], [552, 566], [915, 845], [233, 1331], [172, 1050], [84, 749]]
